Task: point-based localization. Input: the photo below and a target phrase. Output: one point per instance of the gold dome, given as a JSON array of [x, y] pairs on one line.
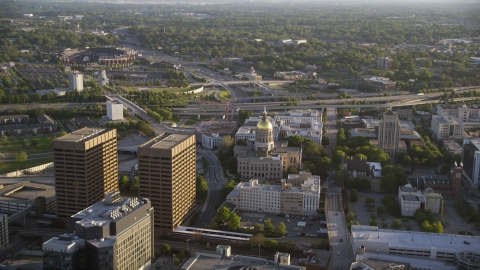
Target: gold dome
[[264, 125]]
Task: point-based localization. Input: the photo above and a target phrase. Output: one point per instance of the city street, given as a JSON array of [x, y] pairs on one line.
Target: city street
[[215, 181]]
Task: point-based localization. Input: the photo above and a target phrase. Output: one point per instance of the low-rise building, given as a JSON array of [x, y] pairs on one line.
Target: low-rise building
[[419, 250], [355, 167], [285, 199], [453, 147], [381, 82], [450, 188], [404, 113], [290, 75], [23, 126], [445, 126], [210, 134], [223, 258], [410, 200]]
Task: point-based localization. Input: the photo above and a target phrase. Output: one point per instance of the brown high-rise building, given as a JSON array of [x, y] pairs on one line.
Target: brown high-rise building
[[86, 168], [167, 172]]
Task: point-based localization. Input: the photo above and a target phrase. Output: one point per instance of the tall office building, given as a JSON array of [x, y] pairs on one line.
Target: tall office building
[[471, 161], [86, 168], [116, 233], [389, 133], [75, 81], [166, 170]]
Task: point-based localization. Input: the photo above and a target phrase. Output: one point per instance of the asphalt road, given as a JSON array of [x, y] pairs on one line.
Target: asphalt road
[[215, 181]]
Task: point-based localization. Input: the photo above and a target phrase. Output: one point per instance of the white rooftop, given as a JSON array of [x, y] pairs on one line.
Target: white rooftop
[[421, 240]]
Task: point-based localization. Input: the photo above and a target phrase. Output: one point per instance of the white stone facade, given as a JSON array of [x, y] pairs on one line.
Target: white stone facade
[[114, 110]]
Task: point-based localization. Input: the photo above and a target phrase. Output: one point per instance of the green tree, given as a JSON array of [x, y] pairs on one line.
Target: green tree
[[135, 184], [241, 142], [223, 214], [165, 249], [392, 178], [201, 188], [233, 221], [257, 239], [337, 157], [21, 157], [396, 224], [381, 210], [353, 195], [34, 142], [268, 226], [271, 244], [325, 141], [123, 183], [295, 141], [242, 116], [258, 227], [176, 261], [281, 229]]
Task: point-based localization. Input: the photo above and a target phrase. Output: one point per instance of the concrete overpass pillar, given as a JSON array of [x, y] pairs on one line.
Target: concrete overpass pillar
[[25, 220], [358, 109]]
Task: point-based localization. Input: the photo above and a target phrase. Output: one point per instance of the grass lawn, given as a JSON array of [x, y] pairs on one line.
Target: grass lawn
[[189, 122], [224, 94], [15, 145], [11, 166]]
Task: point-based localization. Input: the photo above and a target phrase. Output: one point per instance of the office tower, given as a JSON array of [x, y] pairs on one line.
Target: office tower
[[116, 233], [166, 170], [471, 161], [114, 110], [75, 81], [389, 133], [86, 168]]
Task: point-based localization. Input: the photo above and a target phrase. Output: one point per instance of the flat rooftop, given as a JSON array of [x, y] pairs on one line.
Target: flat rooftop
[[421, 240], [83, 134], [211, 261], [25, 192], [166, 140]]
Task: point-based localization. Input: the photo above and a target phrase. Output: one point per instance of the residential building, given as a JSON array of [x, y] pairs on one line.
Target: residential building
[[167, 176], [389, 134], [75, 81], [14, 119], [471, 161], [210, 134], [265, 159], [116, 233], [285, 199], [445, 126], [86, 168], [384, 62], [114, 110], [419, 250], [4, 240], [223, 258]]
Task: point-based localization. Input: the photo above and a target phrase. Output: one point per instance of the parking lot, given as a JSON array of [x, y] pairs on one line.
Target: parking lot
[[303, 236]]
